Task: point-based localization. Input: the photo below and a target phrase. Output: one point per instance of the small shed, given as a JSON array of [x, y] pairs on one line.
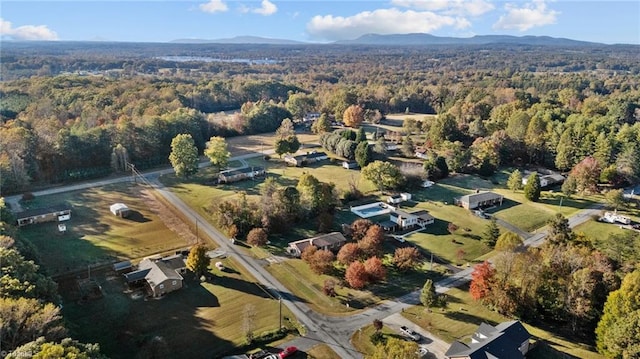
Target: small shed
[[122, 267], [349, 164], [120, 210]]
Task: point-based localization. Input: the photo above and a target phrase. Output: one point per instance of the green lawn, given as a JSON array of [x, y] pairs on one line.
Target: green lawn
[[201, 320], [303, 283], [361, 339], [463, 316], [322, 351], [95, 236]]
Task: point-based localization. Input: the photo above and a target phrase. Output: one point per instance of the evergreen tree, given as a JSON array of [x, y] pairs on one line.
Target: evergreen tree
[[363, 154], [491, 233], [361, 135], [428, 295], [532, 188], [515, 181]]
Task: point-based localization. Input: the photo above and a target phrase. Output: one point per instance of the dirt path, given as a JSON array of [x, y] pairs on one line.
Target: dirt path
[[167, 216]]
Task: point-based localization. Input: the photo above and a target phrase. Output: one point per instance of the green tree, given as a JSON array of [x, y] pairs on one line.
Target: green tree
[[321, 125], [184, 155], [615, 337], [395, 348], [300, 104], [66, 348], [508, 242], [286, 140], [559, 230], [408, 149], [217, 152], [491, 233], [24, 319], [384, 175], [532, 188], [22, 278], [615, 198], [197, 261], [363, 154], [514, 182], [361, 135], [428, 295]]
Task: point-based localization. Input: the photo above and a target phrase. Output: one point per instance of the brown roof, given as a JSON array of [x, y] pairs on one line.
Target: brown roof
[[323, 240]]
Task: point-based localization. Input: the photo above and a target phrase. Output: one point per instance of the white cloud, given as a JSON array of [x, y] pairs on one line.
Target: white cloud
[[381, 21], [26, 32], [214, 6], [526, 17], [267, 8], [449, 7]]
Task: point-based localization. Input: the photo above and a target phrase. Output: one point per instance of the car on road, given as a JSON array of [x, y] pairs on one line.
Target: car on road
[[288, 351], [410, 333]]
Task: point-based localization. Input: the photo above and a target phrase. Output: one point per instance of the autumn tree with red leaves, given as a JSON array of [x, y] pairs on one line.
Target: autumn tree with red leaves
[[349, 253], [329, 288], [320, 261], [356, 275], [406, 258], [359, 228], [452, 227], [586, 175], [257, 237], [375, 269], [371, 243], [308, 253], [481, 280]]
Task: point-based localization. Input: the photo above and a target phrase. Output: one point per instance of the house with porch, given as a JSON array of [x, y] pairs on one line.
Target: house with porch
[[505, 340], [161, 275], [400, 220], [241, 174], [331, 241]]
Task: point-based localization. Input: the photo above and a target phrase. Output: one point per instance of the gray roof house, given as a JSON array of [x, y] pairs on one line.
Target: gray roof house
[[240, 174], [479, 199], [508, 340], [55, 213], [161, 275], [329, 241], [305, 159]]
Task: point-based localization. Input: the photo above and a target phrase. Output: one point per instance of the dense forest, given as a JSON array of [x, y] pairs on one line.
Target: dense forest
[[66, 106]]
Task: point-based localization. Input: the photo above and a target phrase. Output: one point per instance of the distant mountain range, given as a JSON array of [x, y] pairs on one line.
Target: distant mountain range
[[405, 40]]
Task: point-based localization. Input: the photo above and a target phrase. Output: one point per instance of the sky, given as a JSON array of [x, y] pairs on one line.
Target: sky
[[315, 21]]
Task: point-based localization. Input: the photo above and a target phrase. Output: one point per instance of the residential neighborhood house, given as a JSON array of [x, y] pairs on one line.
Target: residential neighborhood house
[[330, 241], [401, 220], [350, 164], [479, 200], [306, 159], [546, 180], [162, 275], [236, 175], [57, 213], [508, 340]]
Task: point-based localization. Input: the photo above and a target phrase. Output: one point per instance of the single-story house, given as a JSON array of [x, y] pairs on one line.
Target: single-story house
[[57, 213], [399, 219], [546, 180], [349, 164], [399, 198], [240, 174], [612, 217], [310, 116], [306, 159], [162, 275], [330, 241], [505, 340], [120, 210], [479, 200]]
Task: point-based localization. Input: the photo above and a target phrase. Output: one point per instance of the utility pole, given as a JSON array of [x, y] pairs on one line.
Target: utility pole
[[197, 237], [280, 310], [431, 267]]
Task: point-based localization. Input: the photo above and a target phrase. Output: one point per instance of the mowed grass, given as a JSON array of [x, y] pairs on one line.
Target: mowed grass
[[322, 351], [361, 339], [296, 275], [94, 235], [201, 320], [463, 316]]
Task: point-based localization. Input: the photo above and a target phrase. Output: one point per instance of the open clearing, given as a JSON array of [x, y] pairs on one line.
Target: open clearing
[[95, 236], [201, 320]]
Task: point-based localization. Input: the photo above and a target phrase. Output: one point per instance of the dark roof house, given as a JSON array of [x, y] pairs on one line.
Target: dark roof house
[[308, 158], [508, 340], [479, 199], [60, 212], [161, 275], [329, 241]]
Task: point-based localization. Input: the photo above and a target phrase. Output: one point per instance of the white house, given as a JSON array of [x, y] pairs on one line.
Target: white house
[[613, 217], [399, 198]]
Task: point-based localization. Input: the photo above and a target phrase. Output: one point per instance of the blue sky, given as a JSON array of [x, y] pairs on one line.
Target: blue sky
[[316, 21]]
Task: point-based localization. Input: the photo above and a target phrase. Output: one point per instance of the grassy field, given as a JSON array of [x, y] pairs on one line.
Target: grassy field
[[322, 351], [306, 285], [95, 236], [201, 320], [464, 315], [361, 339]]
